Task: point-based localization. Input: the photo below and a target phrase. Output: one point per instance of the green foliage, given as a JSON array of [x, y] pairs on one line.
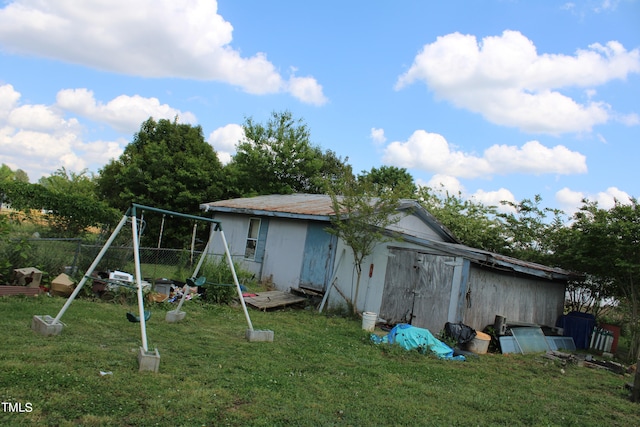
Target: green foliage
[[361, 216], [318, 371], [473, 223], [391, 179], [63, 181], [220, 287], [168, 166], [529, 232], [606, 245], [68, 214], [7, 174], [278, 158]]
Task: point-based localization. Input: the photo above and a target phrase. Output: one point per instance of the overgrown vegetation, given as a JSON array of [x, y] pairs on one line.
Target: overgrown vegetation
[[320, 370], [170, 165]]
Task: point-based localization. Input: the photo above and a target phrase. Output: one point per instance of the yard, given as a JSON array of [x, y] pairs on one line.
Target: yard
[[319, 370]]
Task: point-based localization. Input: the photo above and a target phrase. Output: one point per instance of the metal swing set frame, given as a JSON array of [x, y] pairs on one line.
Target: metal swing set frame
[[149, 360]]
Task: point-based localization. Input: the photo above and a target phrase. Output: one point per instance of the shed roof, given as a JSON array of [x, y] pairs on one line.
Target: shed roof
[[313, 205], [497, 261], [318, 207]]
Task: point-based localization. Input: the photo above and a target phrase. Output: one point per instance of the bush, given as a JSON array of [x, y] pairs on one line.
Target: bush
[[220, 287]]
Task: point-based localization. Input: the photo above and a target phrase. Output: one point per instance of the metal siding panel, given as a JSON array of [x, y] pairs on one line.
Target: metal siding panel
[[283, 253]]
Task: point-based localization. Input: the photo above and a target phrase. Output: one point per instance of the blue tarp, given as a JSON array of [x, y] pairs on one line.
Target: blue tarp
[[412, 338]]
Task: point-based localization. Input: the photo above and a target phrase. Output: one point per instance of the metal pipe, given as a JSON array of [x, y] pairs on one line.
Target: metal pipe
[[136, 259], [235, 280]]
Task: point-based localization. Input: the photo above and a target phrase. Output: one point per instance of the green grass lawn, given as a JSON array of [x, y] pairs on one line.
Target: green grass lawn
[[319, 371]]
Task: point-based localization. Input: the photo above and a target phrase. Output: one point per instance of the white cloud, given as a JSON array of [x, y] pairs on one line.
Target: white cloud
[[153, 38], [495, 198], [506, 81], [307, 90], [446, 184], [570, 201], [377, 135], [225, 139], [432, 153], [124, 113], [443, 184], [39, 139], [8, 100]]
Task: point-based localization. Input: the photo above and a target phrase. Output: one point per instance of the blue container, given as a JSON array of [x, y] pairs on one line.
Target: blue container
[[579, 326]]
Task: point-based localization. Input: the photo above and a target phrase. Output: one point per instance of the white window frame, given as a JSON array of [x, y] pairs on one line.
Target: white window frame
[[253, 232]]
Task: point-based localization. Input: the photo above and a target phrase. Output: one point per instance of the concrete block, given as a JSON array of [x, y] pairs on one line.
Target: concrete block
[[43, 325], [257, 336], [148, 360], [174, 316]]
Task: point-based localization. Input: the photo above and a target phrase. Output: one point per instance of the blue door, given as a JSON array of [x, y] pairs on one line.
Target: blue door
[[319, 247]]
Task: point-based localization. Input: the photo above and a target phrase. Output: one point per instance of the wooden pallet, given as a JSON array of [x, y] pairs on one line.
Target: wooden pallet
[[272, 299], [18, 290]]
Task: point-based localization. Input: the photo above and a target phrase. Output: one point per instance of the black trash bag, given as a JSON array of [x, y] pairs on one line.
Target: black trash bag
[[459, 332]]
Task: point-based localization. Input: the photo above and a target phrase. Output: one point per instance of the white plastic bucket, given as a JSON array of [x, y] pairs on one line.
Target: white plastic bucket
[[369, 319]]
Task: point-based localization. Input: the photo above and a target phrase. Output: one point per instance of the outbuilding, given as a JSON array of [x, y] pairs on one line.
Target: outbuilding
[[425, 278]]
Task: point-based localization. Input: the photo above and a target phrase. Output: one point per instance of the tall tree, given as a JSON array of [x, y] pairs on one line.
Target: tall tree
[[530, 230], [64, 181], [393, 179], [7, 175], [360, 218], [168, 165], [68, 214], [472, 222], [278, 158]]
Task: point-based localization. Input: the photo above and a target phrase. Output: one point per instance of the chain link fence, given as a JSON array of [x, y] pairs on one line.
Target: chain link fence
[[74, 257]]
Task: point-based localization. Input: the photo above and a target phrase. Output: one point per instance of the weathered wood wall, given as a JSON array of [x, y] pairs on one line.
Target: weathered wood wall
[[518, 298], [417, 289]]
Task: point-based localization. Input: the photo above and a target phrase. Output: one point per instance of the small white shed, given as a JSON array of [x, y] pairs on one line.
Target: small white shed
[[425, 279]]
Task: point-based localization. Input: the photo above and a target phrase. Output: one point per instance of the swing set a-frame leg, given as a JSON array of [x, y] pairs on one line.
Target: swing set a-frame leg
[[46, 325]]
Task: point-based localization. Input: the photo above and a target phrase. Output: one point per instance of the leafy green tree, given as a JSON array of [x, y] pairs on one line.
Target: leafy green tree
[[68, 214], [63, 181], [278, 158], [606, 245], [473, 223], [7, 175], [360, 218], [168, 166], [530, 230], [391, 178]]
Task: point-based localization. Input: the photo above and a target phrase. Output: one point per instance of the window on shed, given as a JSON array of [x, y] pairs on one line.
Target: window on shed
[[252, 238]]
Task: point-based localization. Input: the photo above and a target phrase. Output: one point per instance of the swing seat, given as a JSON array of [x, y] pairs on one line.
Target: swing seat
[[198, 282], [136, 319]]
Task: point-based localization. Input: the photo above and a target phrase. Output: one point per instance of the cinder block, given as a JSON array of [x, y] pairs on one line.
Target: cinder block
[[148, 360], [174, 316], [44, 326], [255, 336]]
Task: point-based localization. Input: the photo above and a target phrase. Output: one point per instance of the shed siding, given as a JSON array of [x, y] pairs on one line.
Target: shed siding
[[414, 226], [418, 288], [519, 299], [284, 253]]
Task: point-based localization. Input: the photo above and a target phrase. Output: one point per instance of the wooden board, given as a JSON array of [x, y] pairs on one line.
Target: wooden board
[[272, 299], [18, 290]]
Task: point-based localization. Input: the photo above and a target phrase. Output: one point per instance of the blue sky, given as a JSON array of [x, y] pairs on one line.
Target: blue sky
[[497, 99]]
